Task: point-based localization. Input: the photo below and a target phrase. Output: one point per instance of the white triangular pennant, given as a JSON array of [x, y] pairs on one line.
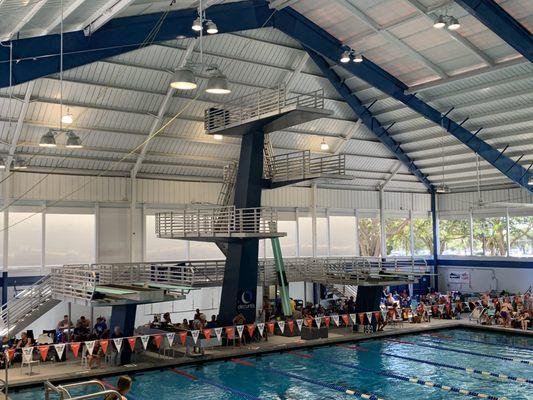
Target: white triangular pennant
[[118, 343], [335, 319], [27, 354], [261, 327], [145, 339], [441, 308], [90, 346], [60, 348], [195, 335], [369, 316], [218, 332], [353, 318], [240, 330], [281, 325], [318, 321], [399, 312], [300, 323], [170, 338]]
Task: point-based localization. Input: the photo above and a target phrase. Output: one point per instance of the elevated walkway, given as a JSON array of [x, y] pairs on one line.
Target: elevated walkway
[[141, 283], [215, 224], [269, 110]]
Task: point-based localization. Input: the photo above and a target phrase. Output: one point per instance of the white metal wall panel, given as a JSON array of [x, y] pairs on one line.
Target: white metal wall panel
[[468, 200]]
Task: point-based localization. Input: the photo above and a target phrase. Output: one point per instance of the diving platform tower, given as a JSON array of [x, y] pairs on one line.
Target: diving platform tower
[[238, 222]]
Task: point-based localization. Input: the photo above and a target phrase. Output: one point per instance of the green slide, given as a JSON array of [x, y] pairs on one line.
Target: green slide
[[282, 279]]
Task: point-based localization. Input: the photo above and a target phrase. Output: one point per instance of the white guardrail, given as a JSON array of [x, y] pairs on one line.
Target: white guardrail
[[258, 104], [216, 221], [300, 165]]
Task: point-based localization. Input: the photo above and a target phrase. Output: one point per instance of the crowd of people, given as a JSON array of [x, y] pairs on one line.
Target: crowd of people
[[509, 311]]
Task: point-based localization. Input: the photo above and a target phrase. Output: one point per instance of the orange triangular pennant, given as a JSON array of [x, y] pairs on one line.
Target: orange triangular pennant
[[157, 340], [251, 329], [361, 316], [230, 332], [327, 321], [271, 327], [207, 333], [132, 340], [346, 319], [183, 337], [75, 347], [104, 344], [290, 324], [44, 351]]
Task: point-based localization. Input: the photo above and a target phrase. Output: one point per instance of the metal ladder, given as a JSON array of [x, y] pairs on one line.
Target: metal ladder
[[268, 158], [27, 306], [63, 391], [227, 192]]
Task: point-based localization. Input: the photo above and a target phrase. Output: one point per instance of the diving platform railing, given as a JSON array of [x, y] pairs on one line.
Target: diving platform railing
[[217, 223], [263, 104], [299, 165], [63, 391]]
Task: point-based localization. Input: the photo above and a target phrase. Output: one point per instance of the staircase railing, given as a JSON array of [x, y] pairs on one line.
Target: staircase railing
[[25, 302], [226, 194], [300, 165], [75, 283]]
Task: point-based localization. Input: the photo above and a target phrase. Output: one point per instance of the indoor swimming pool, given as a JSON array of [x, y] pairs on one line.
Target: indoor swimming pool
[[447, 364]]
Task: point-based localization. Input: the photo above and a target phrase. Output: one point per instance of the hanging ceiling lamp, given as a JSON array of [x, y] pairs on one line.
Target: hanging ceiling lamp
[[345, 57], [453, 24], [211, 27], [218, 136], [197, 25], [217, 83], [440, 22], [324, 146], [358, 58], [48, 139], [183, 79], [73, 141], [67, 119]]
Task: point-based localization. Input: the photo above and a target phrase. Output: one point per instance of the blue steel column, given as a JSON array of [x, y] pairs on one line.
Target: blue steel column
[[435, 227], [239, 287]]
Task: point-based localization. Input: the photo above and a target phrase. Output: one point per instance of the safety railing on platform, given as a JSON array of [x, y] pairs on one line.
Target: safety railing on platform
[[63, 391], [216, 221], [257, 105], [75, 283], [30, 299], [300, 165]]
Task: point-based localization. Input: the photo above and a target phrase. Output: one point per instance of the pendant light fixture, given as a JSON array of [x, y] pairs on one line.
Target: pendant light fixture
[[453, 24], [183, 79], [211, 27], [197, 24], [48, 139], [324, 146], [217, 82], [358, 58], [345, 57], [440, 22], [67, 118], [218, 136], [73, 141]]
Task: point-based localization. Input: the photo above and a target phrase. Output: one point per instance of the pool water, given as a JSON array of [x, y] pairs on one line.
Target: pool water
[[379, 367]]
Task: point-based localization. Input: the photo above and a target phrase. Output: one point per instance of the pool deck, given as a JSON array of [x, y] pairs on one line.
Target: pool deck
[[72, 370]]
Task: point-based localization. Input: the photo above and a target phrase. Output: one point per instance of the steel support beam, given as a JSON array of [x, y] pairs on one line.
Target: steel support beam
[[161, 113], [20, 123], [319, 41], [101, 16], [35, 8], [346, 139], [367, 119], [66, 13], [39, 56], [494, 17]]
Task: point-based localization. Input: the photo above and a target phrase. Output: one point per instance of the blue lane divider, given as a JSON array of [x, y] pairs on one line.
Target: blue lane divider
[[469, 370], [421, 382], [486, 343], [326, 385], [472, 353], [237, 392]]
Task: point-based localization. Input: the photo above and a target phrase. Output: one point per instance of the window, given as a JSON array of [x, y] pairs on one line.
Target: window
[[423, 236], [398, 236], [521, 236], [205, 251], [24, 239], [288, 243], [369, 236], [490, 236], [305, 226], [69, 239], [454, 237], [342, 231], [162, 249]]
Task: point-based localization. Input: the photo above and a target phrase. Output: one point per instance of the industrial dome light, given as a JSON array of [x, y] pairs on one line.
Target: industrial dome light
[[67, 119], [73, 141], [440, 22], [197, 25], [345, 57], [211, 27], [358, 58], [183, 79], [217, 83], [218, 136], [48, 140], [442, 188], [324, 146], [453, 24]]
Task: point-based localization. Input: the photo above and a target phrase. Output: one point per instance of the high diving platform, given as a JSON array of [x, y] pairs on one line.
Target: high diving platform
[[270, 110]]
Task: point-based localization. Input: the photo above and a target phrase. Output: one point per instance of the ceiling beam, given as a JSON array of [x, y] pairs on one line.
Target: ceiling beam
[[343, 141], [101, 16], [319, 41], [66, 13], [35, 8], [367, 119], [393, 173], [348, 5], [290, 78], [20, 123], [453, 34], [494, 17], [161, 113]]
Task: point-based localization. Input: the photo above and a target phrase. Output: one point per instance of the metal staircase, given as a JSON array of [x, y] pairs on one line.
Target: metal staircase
[[27, 306], [227, 192]]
